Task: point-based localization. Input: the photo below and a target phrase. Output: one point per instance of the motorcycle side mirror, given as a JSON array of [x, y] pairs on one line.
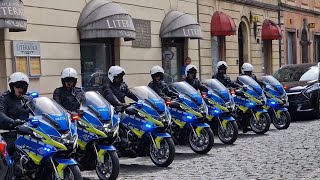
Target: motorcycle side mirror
[[34, 122], [210, 93], [140, 103], [238, 93], [181, 97], [118, 109]]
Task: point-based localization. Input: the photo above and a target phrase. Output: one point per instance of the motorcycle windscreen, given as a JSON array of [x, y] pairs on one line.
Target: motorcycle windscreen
[[274, 83], [52, 110], [218, 87], [246, 80], [147, 94], [186, 89], [100, 105]]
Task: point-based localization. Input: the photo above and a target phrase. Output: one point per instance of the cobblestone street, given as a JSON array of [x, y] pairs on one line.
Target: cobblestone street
[[288, 154]]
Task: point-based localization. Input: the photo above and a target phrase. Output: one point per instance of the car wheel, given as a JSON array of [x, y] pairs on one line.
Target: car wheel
[[317, 110]]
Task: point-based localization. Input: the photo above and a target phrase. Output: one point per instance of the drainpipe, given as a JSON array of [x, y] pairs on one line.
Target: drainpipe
[[199, 52], [280, 40]]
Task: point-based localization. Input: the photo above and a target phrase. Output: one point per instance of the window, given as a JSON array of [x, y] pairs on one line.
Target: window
[[291, 48], [97, 56], [218, 50], [317, 48]]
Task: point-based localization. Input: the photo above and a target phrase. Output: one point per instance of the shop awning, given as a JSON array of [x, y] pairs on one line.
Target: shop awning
[[270, 30], [12, 15], [180, 25], [105, 19], [222, 25]]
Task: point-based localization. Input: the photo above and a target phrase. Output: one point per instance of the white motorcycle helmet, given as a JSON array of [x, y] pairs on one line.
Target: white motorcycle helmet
[[246, 67], [115, 71], [156, 70], [18, 79], [221, 64], [68, 74], [190, 68]]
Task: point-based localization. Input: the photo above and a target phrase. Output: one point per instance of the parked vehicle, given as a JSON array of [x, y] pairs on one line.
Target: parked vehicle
[[220, 108], [277, 101], [189, 114], [98, 127], [301, 83], [46, 142], [143, 129], [250, 100], [6, 163]]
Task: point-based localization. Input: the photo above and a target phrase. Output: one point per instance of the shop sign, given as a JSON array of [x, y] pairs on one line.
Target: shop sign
[[26, 48], [143, 33], [255, 19]]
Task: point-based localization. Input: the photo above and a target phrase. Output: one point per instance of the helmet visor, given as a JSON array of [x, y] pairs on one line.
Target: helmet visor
[[21, 84]]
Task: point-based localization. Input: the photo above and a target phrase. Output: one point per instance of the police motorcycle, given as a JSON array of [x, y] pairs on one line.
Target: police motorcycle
[[220, 107], [6, 163], [98, 127], [250, 100], [189, 115], [143, 129], [46, 141], [277, 100]]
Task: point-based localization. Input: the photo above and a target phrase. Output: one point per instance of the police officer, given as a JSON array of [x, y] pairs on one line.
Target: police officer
[[247, 69], [191, 72], [67, 94], [158, 85], [222, 76], [115, 90], [15, 108]]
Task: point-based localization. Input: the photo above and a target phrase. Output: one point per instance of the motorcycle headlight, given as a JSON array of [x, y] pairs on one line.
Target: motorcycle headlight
[[107, 127]]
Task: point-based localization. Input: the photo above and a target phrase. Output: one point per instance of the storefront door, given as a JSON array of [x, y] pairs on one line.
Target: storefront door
[[267, 57], [96, 59], [173, 57]]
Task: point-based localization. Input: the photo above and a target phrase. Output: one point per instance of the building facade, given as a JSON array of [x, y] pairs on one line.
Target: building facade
[[238, 32], [301, 30], [93, 35]]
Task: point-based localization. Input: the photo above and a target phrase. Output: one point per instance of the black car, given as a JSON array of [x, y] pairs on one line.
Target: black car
[[301, 82]]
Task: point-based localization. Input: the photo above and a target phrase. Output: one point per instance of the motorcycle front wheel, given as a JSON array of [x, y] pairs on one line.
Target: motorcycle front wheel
[[202, 144], [283, 122], [164, 156], [229, 134], [261, 124], [71, 172], [109, 170]]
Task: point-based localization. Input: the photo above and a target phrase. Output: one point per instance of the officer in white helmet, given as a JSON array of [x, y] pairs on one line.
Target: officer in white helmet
[[115, 89], [222, 76], [191, 72], [14, 111], [247, 69], [158, 85], [67, 94]]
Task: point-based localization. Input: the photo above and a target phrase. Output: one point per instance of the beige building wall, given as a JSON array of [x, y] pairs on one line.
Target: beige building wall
[[238, 12], [54, 25]]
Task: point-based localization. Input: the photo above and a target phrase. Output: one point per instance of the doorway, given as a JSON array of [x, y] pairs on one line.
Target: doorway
[[243, 45], [267, 57]]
